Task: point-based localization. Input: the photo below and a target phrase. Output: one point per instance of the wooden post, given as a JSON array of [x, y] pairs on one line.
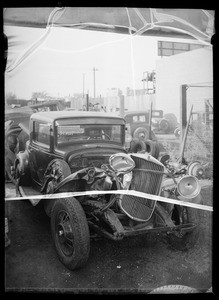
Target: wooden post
[[183, 111], [87, 102]]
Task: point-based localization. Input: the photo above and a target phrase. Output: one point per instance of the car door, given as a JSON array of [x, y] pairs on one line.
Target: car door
[[40, 150]]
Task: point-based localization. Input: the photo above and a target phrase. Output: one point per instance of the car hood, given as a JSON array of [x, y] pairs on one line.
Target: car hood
[[90, 149]]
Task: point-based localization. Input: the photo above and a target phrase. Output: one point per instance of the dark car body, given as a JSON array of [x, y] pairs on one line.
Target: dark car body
[[77, 150], [83, 152]]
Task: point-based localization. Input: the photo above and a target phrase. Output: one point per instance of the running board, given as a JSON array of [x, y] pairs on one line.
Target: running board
[[29, 191]]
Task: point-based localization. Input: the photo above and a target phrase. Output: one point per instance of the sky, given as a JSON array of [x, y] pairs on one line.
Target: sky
[[63, 62]]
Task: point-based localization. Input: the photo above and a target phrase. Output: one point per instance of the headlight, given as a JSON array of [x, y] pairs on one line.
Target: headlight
[[195, 169], [188, 186], [121, 162]]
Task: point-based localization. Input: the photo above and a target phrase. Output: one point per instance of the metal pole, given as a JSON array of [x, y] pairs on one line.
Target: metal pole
[[183, 110]]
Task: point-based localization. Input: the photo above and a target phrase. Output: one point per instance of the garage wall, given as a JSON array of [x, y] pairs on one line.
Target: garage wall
[[193, 67]]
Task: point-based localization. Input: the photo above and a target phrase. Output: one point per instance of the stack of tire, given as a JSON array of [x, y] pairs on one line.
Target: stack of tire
[[168, 123], [142, 142]]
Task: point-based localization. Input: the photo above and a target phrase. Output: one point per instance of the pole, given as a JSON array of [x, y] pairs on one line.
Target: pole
[[150, 116], [183, 110], [83, 83], [94, 70], [87, 102], [180, 159]]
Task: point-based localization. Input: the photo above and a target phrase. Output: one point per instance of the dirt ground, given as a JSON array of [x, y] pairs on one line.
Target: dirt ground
[[133, 265]]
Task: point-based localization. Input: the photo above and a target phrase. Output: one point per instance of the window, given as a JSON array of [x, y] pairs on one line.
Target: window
[[142, 118], [88, 133], [42, 133], [172, 48], [135, 119]]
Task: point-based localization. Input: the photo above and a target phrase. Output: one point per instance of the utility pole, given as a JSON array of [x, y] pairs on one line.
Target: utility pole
[[83, 83], [94, 70]]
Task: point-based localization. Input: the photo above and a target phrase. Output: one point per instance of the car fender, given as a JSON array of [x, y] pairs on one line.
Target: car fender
[[56, 165]]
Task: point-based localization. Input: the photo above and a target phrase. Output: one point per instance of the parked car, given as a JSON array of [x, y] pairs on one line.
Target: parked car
[[160, 123], [71, 151], [163, 123], [138, 123], [19, 114], [138, 126]]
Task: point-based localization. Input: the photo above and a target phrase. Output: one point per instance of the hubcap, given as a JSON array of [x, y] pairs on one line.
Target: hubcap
[[65, 236]]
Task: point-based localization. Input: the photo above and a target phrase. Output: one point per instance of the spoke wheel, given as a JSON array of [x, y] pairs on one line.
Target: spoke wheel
[[64, 231], [70, 232]]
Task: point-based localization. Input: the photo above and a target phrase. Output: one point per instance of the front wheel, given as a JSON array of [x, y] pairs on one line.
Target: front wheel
[[70, 232], [184, 240]]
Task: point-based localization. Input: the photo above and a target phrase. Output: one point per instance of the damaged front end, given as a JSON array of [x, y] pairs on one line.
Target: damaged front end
[[116, 216]]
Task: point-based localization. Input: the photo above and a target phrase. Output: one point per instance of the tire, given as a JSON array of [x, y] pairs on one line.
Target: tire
[[185, 240], [152, 148], [68, 218], [141, 130], [137, 146], [172, 119], [145, 131], [164, 126], [174, 289], [177, 132]]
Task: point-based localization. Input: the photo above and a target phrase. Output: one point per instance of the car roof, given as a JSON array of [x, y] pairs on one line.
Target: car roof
[[51, 116]]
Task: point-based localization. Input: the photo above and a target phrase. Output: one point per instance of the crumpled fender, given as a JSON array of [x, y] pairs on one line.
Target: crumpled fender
[[84, 174], [81, 174]]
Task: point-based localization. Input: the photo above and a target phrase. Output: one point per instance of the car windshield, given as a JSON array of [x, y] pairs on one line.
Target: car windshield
[[69, 133]]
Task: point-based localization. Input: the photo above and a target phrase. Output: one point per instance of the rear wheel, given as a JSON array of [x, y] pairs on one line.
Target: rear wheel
[[70, 232], [184, 240], [164, 126]]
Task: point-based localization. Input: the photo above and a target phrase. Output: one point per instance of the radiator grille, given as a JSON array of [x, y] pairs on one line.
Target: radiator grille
[[147, 177]]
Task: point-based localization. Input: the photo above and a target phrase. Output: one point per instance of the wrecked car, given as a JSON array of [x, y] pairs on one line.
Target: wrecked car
[[84, 153]]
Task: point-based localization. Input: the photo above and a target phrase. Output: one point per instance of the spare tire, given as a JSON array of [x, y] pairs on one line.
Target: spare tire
[[145, 131], [164, 125], [137, 146], [141, 131], [152, 148], [172, 119]]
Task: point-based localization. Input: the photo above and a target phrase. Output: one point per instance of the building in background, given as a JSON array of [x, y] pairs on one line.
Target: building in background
[[193, 68]]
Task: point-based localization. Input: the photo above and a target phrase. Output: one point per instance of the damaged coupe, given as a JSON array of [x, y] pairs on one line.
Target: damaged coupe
[[85, 153]]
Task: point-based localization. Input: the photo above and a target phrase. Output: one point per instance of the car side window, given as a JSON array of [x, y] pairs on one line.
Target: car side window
[[142, 118], [42, 133], [135, 119]]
